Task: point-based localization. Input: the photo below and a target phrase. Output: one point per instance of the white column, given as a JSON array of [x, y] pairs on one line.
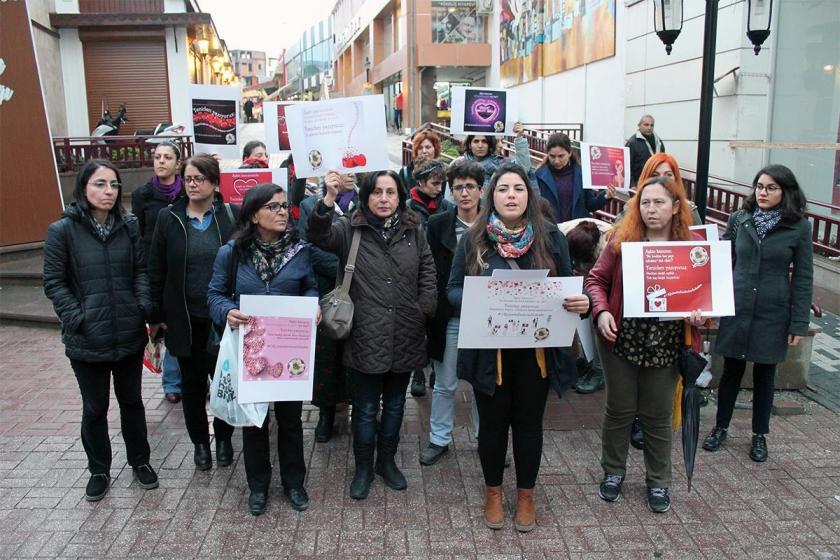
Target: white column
[[73, 78], [179, 74]]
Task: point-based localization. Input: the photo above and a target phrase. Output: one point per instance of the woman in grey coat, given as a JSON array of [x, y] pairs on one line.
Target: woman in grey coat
[[772, 306]]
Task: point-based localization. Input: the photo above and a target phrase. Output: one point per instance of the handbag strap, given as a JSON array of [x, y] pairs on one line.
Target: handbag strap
[[513, 264], [350, 267]]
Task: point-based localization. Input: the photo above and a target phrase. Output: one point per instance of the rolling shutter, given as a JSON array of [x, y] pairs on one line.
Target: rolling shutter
[[133, 72]]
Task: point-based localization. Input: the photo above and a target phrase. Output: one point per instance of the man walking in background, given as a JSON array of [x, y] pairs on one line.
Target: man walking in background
[[643, 144]]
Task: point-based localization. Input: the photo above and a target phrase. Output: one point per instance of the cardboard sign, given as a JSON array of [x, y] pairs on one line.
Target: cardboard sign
[[672, 279], [483, 111], [276, 128], [215, 119], [233, 184], [709, 232], [347, 135], [605, 166]]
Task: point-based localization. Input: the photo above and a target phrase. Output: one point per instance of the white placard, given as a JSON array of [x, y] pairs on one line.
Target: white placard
[[215, 119], [523, 312], [483, 111], [347, 135], [605, 166], [276, 128], [278, 348], [709, 232], [670, 279]]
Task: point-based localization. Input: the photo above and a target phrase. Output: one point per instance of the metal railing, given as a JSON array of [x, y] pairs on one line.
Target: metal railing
[[126, 152]]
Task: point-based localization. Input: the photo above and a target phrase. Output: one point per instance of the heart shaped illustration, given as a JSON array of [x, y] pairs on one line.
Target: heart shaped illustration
[[241, 186], [360, 160], [486, 110]]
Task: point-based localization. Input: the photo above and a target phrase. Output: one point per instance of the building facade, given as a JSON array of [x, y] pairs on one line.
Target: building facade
[[308, 62], [251, 66]]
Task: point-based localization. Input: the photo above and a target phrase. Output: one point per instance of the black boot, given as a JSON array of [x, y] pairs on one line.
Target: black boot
[[326, 418], [386, 467], [637, 437], [201, 456], [418, 383], [758, 450], [360, 487]]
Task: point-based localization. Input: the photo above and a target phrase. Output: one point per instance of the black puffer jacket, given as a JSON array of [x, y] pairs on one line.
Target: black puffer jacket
[[146, 204], [393, 290], [167, 269], [99, 289]]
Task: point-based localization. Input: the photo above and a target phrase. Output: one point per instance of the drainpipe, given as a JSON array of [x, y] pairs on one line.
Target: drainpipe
[[411, 84]]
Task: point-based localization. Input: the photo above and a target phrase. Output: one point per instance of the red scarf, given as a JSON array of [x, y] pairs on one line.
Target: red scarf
[[430, 204]]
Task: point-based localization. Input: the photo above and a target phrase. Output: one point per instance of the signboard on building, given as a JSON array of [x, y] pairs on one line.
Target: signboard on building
[[456, 21]]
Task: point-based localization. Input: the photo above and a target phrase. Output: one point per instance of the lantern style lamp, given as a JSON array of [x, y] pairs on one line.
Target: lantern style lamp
[[759, 13], [668, 21], [203, 46]]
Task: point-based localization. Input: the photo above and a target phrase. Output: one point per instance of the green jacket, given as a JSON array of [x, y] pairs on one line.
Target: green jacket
[[770, 302]]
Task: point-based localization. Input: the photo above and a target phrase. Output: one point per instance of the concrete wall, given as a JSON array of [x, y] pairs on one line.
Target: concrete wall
[[49, 66], [177, 58], [73, 79]]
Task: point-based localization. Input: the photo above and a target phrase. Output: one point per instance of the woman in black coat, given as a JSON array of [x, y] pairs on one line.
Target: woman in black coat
[[769, 235], [511, 386], [187, 237], [95, 275]]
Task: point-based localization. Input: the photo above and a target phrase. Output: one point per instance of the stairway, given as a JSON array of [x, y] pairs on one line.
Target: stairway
[[22, 299]]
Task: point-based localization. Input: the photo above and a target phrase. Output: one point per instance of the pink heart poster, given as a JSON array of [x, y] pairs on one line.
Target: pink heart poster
[[234, 184]]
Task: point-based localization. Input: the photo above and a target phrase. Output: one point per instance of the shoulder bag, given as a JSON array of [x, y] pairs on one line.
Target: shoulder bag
[[336, 306]]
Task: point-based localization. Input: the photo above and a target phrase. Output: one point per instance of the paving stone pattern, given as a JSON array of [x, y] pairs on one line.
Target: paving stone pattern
[[786, 508]]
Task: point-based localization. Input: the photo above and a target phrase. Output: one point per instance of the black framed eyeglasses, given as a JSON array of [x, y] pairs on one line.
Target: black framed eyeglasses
[[276, 207], [468, 187]]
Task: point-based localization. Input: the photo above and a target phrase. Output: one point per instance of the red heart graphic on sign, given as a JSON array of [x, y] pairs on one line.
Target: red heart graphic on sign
[[241, 186]]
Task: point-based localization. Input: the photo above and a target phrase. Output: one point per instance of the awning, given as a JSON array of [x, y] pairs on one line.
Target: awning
[[134, 20]]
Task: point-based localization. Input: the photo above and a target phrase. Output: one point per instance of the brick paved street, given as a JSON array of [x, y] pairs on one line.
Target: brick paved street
[[786, 508]]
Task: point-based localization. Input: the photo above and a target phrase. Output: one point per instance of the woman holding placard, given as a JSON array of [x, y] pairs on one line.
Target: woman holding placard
[[640, 378], [271, 259], [511, 386], [394, 292], [482, 150], [187, 237], [769, 235]]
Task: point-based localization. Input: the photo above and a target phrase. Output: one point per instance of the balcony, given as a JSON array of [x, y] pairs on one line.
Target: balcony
[[121, 6]]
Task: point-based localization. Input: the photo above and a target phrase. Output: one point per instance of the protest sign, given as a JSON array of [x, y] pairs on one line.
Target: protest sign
[[709, 232], [605, 166], [215, 119], [484, 111], [276, 129], [233, 184]]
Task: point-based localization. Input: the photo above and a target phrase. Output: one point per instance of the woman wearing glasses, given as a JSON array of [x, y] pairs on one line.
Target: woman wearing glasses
[[187, 237], [271, 260], [769, 235], [95, 275]]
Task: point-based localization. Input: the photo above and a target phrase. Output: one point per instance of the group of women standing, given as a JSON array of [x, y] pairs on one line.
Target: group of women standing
[[203, 254]]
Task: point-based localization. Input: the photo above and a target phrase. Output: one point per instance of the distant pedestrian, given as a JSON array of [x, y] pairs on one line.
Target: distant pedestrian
[[272, 260], [769, 235], [510, 386], [394, 294], [248, 107], [398, 110], [95, 276], [643, 144]]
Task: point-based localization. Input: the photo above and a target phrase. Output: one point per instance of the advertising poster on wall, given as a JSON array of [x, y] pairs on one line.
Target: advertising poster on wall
[[215, 111], [577, 32], [278, 348], [605, 166], [672, 279], [276, 129], [346, 135], [233, 184], [517, 310], [491, 112], [456, 21], [520, 36]]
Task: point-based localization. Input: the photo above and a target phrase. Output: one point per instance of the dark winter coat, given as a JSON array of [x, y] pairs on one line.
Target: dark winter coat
[[167, 269], [393, 290], [324, 263], [146, 204], [442, 206], [478, 366], [442, 242], [99, 289], [296, 278], [770, 303], [640, 152], [584, 201]]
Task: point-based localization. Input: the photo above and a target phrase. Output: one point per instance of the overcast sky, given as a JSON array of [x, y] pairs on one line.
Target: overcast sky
[[264, 25]]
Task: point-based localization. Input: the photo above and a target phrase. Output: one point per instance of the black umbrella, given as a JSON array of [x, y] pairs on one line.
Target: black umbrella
[[691, 366]]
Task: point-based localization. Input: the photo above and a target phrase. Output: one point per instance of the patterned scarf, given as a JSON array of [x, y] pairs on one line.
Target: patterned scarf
[[102, 230], [510, 244], [387, 227], [269, 258], [765, 220]]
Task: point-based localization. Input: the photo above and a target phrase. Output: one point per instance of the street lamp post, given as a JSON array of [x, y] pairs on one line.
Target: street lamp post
[[668, 24], [367, 70]]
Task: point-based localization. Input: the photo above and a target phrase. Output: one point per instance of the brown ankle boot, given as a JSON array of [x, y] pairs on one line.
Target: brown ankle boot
[[525, 517], [494, 515]]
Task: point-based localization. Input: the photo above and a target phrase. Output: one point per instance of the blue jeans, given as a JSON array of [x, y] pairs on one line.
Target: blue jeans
[[368, 390], [171, 376], [442, 417]]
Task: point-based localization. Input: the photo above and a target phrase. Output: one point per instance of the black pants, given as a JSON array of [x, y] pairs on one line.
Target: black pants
[[95, 385], [195, 371], [257, 452], [764, 376], [518, 403]]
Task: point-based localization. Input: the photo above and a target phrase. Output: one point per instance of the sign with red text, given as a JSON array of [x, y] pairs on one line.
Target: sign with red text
[[215, 119], [605, 166], [234, 184], [278, 348], [672, 279]]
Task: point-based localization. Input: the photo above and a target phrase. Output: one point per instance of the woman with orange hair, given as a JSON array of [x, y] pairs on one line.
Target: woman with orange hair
[[425, 145], [639, 356], [664, 165]]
